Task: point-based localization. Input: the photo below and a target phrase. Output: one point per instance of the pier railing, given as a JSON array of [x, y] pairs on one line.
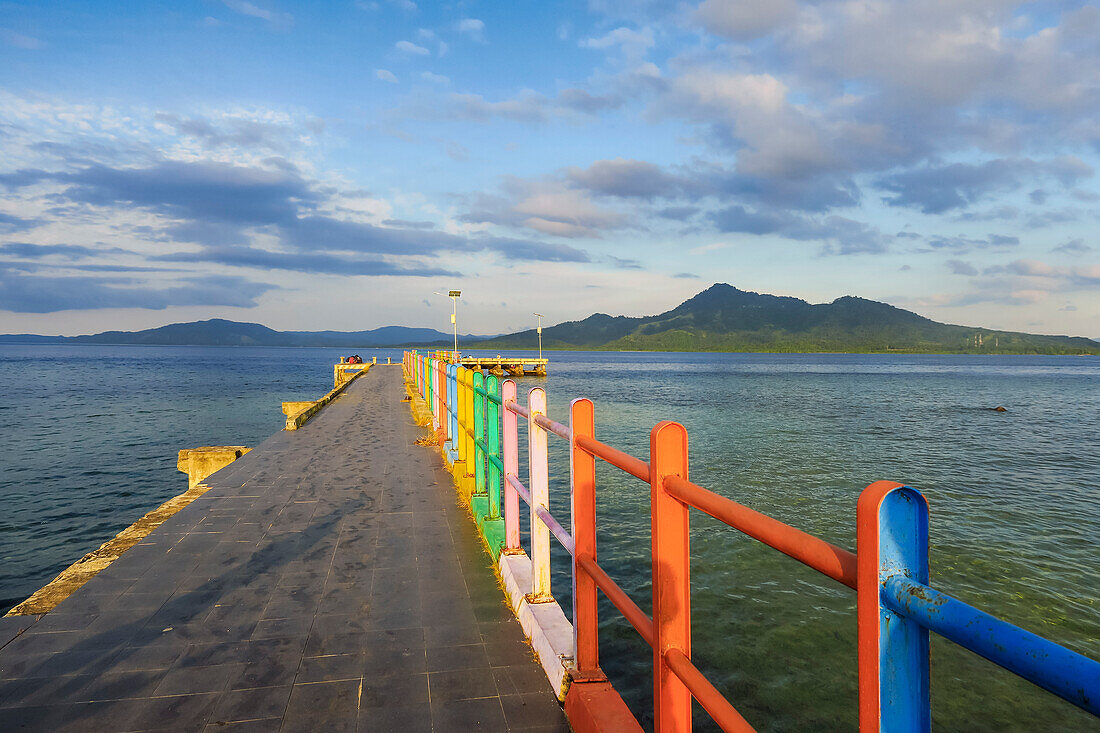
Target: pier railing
[[895, 605]]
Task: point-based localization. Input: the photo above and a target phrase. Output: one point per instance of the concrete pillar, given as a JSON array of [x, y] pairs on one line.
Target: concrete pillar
[[198, 463]]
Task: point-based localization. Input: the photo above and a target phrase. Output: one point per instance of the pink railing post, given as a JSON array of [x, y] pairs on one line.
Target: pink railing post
[[539, 486], [668, 456], [582, 467], [509, 456], [439, 397]]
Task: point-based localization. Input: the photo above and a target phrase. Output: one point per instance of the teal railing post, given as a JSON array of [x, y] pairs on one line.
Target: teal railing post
[[492, 439], [479, 432], [891, 540]]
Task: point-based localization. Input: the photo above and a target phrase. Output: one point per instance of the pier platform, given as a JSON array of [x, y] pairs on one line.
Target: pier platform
[[327, 580], [500, 366]]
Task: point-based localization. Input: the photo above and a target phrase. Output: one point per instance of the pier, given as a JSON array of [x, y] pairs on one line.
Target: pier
[[365, 569], [498, 366], [325, 580]]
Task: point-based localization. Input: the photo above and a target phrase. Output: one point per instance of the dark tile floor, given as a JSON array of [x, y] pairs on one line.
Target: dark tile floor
[[327, 581]]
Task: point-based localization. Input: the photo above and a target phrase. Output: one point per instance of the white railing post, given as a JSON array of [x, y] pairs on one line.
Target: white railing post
[[539, 486]]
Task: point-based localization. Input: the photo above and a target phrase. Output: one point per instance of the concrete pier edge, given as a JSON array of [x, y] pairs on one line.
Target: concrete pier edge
[[544, 624]]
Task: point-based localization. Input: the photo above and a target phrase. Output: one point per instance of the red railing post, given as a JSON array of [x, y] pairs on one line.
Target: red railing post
[[510, 459], [582, 465], [668, 456]]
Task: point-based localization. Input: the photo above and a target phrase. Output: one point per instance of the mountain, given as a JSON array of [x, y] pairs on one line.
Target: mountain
[[723, 318], [219, 332]]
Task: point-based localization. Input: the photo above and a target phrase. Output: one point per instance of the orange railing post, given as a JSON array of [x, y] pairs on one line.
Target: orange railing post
[[668, 456], [582, 466]]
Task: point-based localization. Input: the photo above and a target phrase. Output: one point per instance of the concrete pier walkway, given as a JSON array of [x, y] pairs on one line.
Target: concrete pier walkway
[[327, 581]]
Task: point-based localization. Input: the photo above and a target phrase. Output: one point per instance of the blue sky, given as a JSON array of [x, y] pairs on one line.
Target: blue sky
[[332, 165]]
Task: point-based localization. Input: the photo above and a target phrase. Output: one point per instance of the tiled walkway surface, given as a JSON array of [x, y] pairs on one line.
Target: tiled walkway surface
[[328, 581]]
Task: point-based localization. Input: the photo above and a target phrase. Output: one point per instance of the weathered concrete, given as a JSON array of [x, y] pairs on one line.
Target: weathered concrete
[[80, 572], [198, 463], [309, 410], [327, 580]]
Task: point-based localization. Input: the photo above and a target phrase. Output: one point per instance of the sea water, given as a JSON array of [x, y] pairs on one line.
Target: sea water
[[90, 435]]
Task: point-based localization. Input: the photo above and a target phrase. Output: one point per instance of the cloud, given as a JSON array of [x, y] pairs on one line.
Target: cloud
[[546, 206], [275, 18], [625, 178], [633, 44], [308, 262], [434, 78], [405, 224], [1073, 247], [621, 263], [1021, 282], [18, 40], [839, 235], [472, 27], [384, 75], [959, 267], [205, 191], [965, 244], [10, 224], [678, 213], [935, 190], [582, 101], [408, 47], [25, 293], [532, 251], [69, 251], [239, 132], [744, 21], [528, 106]]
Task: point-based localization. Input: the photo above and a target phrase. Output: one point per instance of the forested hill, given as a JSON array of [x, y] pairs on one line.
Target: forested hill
[[723, 318], [219, 332]]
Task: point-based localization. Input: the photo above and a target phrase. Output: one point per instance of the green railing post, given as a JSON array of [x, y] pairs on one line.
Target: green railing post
[[492, 439], [479, 432]]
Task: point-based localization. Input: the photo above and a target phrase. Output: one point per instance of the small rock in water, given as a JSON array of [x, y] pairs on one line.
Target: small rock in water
[[998, 408]]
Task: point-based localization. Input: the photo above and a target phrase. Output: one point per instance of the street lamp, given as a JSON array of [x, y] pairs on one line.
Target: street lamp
[[454, 296], [540, 334]]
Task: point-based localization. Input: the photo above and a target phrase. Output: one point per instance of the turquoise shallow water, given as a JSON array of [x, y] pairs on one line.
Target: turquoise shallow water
[[90, 435]]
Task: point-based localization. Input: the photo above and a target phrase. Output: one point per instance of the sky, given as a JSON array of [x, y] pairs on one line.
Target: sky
[[337, 165]]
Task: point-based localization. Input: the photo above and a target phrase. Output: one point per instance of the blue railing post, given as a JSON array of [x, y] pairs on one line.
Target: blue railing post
[[891, 541], [452, 408]]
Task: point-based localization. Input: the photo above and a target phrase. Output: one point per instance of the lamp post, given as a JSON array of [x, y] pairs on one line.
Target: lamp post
[[454, 296], [540, 334]]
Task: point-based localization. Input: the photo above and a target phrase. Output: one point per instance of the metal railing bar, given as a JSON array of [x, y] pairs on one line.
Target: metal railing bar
[[517, 408], [1069, 675], [556, 428], [638, 618], [822, 556], [519, 487], [719, 708], [547, 518], [555, 528], [634, 466]]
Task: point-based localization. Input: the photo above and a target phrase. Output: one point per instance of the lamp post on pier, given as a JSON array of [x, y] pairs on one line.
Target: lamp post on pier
[[540, 334], [454, 296]]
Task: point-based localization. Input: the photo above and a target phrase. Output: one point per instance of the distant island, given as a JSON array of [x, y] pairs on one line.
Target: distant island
[[721, 318]]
